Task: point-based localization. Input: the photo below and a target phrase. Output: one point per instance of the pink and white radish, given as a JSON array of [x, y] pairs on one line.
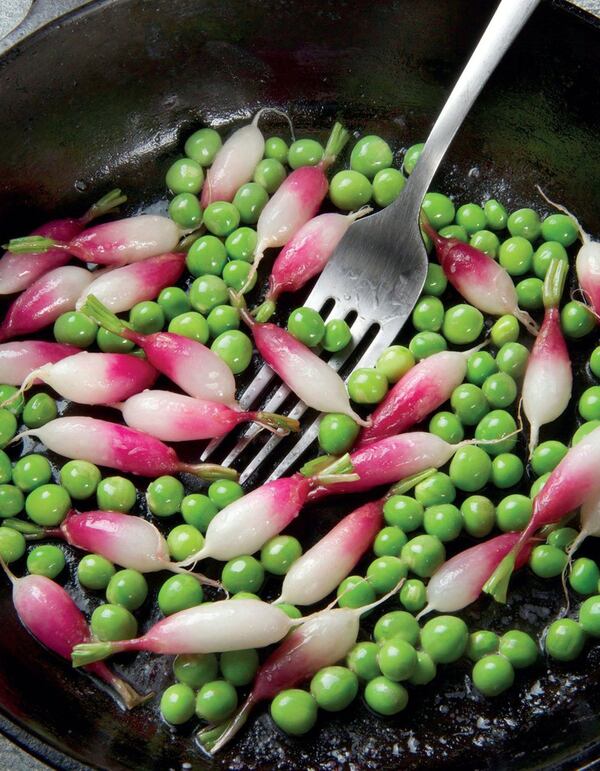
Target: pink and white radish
[[309, 377], [178, 418], [574, 481], [18, 271], [44, 301], [52, 618], [18, 360], [120, 289], [478, 278], [305, 256], [192, 366], [422, 390], [245, 525], [589, 524], [119, 447], [95, 378], [548, 380], [112, 243]]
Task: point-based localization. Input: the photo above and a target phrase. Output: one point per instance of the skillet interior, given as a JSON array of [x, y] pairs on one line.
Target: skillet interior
[[104, 98]]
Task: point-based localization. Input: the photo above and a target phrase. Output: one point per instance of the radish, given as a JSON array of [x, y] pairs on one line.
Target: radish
[[305, 256], [52, 618], [459, 581], [94, 378], [589, 524], [296, 200], [548, 378], [112, 243], [122, 288], [478, 277], [18, 271], [309, 377], [119, 447], [192, 366], [18, 360], [574, 481], [418, 393], [245, 525], [177, 418], [44, 301]]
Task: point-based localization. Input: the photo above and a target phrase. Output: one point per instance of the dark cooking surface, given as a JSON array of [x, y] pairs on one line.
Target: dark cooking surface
[[100, 102]]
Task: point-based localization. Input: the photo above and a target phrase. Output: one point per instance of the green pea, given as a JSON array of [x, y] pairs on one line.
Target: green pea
[[147, 317], [437, 488], [38, 411], [177, 704], [221, 319], [294, 711], [31, 471], [413, 595], [439, 209], [306, 325], [435, 281], [494, 426], [428, 314], [173, 301], [337, 335], [237, 276], [516, 255], [203, 145], [191, 324], [276, 148], [443, 521], [397, 625], [403, 512], [469, 404], [206, 256], [492, 675], [164, 496], [207, 292], [529, 293], [565, 639], [524, 223], [278, 554], [239, 667], [470, 468], [249, 200], [222, 492], [370, 155], [195, 669], [389, 542], [513, 512], [500, 390], [12, 545], [471, 217], [395, 362], [48, 505], [583, 430], [423, 554], [349, 190], [367, 386], [385, 572], [75, 328], [412, 156], [185, 176], [243, 574], [113, 622], [562, 537], [479, 515], [127, 588], [595, 362], [507, 470], [386, 697], [337, 433], [482, 643], [354, 592], [425, 671], [462, 324], [216, 701], [95, 571], [269, 174], [445, 638], [290, 610], [486, 241], [397, 659], [5, 468], [589, 616], [584, 576], [241, 244], [537, 485], [362, 660], [504, 330], [111, 343], [222, 218], [387, 186], [334, 688], [544, 254], [455, 231], [425, 344], [560, 228], [589, 403], [183, 541], [179, 593], [185, 210], [17, 400], [235, 348], [519, 648], [304, 152], [512, 359], [447, 426], [47, 560], [547, 456], [577, 320], [116, 494], [12, 501], [496, 214], [480, 366], [198, 510]]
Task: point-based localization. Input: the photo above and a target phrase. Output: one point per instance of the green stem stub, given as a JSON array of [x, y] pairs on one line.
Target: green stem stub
[[312, 467], [554, 283], [30, 245], [99, 313], [497, 584], [335, 144], [88, 653], [27, 528], [210, 471], [264, 312], [409, 482], [104, 205], [340, 470]]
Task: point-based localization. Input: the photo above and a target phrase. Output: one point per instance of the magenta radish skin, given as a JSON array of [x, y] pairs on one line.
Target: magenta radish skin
[[323, 567], [18, 360], [44, 301], [96, 378], [120, 289]]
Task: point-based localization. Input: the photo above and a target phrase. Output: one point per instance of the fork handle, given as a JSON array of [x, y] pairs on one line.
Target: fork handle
[[507, 21]]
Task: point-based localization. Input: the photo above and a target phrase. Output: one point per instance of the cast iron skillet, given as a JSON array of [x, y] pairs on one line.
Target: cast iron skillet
[[102, 97]]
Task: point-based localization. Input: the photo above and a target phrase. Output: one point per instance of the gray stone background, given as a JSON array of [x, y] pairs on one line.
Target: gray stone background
[[12, 13]]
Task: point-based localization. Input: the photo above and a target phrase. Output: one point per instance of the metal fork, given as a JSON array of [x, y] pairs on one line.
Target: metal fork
[[379, 267]]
